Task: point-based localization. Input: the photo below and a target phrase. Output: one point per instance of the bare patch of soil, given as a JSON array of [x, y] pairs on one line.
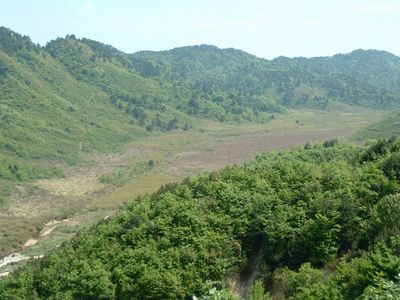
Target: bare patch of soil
[[47, 231], [30, 242]]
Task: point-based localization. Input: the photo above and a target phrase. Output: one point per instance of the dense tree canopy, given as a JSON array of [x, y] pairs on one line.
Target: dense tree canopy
[[325, 220]]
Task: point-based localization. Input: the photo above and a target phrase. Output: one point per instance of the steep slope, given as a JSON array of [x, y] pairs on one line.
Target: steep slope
[[46, 114], [155, 98], [147, 101], [323, 219]]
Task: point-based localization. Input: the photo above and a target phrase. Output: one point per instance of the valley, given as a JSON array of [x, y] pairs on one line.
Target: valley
[[196, 171], [51, 211]]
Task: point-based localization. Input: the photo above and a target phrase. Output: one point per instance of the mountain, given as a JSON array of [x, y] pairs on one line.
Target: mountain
[[48, 115], [75, 96], [368, 78], [315, 223], [114, 73], [377, 68]]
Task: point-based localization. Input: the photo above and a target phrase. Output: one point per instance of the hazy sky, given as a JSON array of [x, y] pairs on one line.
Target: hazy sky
[[265, 28]]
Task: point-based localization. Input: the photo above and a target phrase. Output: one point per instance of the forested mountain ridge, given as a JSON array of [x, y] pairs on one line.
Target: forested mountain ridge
[[363, 77], [134, 92], [377, 68], [321, 221]]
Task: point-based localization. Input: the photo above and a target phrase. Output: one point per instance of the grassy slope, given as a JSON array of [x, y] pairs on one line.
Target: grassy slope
[[112, 75], [46, 114], [55, 112], [387, 127]]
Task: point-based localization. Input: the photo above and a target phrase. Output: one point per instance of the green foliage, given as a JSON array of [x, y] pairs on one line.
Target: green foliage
[[304, 208], [383, 290], [257, 292], [307, 283], [362, 273], [358, 78], [330, 143], [377, 149]]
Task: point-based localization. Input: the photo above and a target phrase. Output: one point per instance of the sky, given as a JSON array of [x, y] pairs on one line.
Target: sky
[[265, 28]]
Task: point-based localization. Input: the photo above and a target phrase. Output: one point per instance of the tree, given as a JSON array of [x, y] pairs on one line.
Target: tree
[[257, 291]]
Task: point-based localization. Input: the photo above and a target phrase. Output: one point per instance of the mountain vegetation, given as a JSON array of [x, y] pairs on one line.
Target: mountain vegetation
[[315, 222], [322, 220], [47, 115], [368, 78], [75, 96]]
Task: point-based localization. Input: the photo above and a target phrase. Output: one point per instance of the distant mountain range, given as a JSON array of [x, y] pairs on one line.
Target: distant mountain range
[[78, 95]]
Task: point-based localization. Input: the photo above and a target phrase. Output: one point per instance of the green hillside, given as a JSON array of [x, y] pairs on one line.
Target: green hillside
[[377, 68], [48, 115], [153, 101], [315, 223], [357, 78], [389, 126]]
